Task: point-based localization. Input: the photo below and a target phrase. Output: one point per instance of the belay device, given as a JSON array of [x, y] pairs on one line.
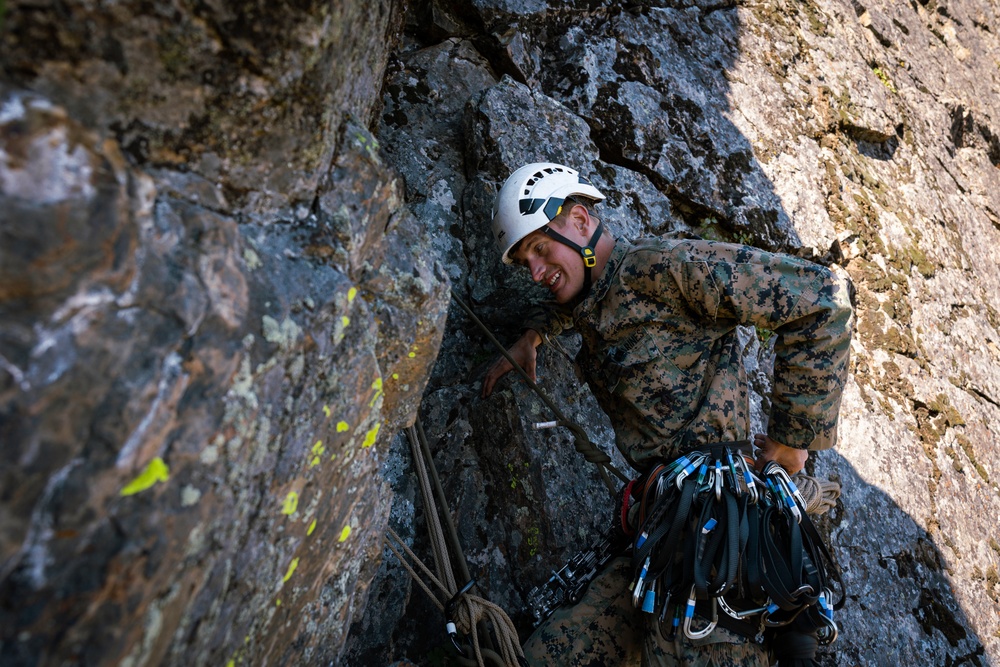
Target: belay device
[[717, 541]]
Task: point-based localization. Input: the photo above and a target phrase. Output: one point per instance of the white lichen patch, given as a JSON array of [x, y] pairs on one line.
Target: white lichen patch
[[252, 259], [190, 496], [284, 334], [52, 169]]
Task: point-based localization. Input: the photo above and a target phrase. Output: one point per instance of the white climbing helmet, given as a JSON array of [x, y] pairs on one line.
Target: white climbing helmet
[[531, 197]]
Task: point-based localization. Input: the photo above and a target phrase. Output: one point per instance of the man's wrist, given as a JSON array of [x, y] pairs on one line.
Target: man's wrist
[[533, 336]]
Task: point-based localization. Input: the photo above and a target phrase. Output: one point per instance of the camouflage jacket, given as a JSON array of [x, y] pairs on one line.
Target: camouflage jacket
[[660, 350]]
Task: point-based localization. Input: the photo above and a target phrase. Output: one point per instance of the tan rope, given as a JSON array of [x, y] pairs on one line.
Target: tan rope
[[439, 549], [413, 574], [470, 609], [820, 494]]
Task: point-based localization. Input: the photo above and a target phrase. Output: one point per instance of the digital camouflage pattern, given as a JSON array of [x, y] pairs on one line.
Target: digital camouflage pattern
[[604, 629], [661, 354]]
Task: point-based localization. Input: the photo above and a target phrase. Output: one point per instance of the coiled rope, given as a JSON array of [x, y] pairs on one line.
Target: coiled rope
[[471, 612]]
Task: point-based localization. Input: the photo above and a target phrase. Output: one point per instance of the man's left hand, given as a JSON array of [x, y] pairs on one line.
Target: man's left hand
[[789, 458]]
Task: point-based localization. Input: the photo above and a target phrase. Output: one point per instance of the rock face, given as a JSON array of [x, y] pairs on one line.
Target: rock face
[[215, 310], [862, 135], [219, 302]]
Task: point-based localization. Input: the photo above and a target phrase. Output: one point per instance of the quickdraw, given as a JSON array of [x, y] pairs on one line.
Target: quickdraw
[[723, 546]]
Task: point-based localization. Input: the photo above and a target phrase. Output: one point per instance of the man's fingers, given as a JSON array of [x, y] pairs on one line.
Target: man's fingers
[[529, 368], [497, 371]]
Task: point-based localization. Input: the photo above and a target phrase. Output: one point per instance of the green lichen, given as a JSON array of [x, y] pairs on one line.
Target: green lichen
[[884, 78], [252, 259], [533, 540], [995, 545], [155, 471], [966, 446]]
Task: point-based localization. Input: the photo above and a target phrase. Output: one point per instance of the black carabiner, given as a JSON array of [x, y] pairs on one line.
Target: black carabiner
[[449, 607]]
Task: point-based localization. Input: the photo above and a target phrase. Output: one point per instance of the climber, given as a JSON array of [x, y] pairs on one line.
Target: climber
[[658, 322]]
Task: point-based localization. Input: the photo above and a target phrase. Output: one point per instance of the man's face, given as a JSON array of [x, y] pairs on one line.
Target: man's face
[[553, 265]]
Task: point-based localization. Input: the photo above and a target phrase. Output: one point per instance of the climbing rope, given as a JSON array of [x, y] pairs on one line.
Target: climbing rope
[[820, 494], [581, 442], [472, 611], [462, 609]]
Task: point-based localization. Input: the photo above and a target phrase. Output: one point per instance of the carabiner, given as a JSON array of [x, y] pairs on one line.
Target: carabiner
[[781, 475], [689, 615], [774, 469], [692, 465], [748, 480], [718, 479], [449, 607], [732, 473], [640, 582]]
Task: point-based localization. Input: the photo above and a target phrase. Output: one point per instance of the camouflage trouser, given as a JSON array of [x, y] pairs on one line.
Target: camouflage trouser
[[604, 629]]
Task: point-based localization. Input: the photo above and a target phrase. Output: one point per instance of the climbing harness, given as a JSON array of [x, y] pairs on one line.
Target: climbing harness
[[716, 544]]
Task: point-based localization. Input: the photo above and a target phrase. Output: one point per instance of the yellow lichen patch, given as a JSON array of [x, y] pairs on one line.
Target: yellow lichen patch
[[345, 320], [311, 528], [351, 293], [231, 663], [395, 376], [371, 435], [155, 471], [291, 569], [345, 533], [317, 450], [342, 427], [377, 386], [326, 411], [291, 503], [277, 603]]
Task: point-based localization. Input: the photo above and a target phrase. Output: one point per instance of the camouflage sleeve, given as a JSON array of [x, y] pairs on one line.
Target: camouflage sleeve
[[548, 319], [806, 305]]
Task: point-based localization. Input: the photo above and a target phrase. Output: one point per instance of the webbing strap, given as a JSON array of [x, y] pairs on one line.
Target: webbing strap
[[588, 252], [706, 538], [819, 551]]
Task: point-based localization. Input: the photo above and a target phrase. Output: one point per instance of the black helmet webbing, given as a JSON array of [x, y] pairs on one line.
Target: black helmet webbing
[[587, 252]]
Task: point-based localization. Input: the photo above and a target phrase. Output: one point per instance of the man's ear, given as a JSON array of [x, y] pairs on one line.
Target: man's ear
[[580, 218]]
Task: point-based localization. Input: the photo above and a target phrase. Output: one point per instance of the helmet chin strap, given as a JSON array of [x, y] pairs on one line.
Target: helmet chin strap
[[586, 252]]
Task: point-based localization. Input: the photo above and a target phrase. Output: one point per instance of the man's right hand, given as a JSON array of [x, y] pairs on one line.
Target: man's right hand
[[523, 352]]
